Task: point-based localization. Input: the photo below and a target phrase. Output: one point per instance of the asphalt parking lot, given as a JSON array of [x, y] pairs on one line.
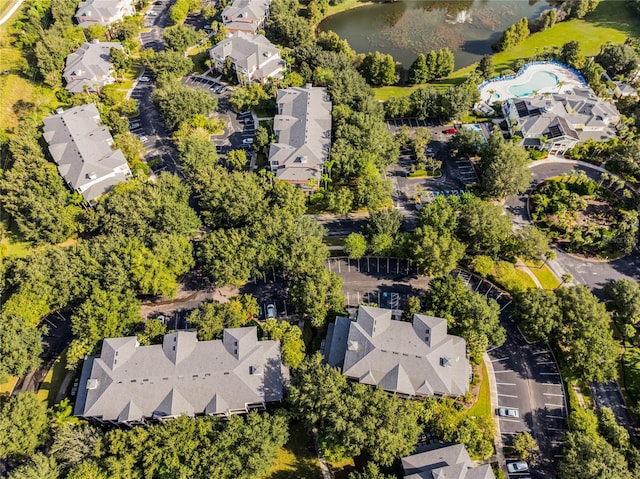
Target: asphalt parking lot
[[386, 282], [239, 127]]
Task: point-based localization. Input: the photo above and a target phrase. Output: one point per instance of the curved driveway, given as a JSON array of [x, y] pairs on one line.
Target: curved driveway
[[594, 274]]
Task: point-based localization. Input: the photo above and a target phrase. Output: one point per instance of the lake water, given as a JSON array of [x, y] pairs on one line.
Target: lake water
[[406, 28]]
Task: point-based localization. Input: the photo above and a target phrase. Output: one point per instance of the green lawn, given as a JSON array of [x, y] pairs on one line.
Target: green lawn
[[511, 278], [295, 459], [53, 380], [341, 470], [612, 21], [547, 278], [482, 406], [7, 388], [631, 372], [346, 5]]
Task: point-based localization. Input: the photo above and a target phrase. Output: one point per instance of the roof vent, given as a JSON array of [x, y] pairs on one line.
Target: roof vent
[[92, 175], [60, 111], [353, 346], [255, 370], [92, 383]]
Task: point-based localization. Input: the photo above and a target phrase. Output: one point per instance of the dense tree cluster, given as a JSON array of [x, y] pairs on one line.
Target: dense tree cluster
[[180, 37], [433, 65], [513, 35], [578, 327], [597, 447], [503, 167], [23, 425], [178, 103], [619, 59], [428, 102], [181, 9], [351, 418], [286, 27], [210, 318], [378, 69], [469, 314]]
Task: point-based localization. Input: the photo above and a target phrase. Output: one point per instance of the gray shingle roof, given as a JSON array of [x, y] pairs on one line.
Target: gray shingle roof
[[129, 382], [579, 115], [102, 11], [414, 359], [89, 66], [451, 462], [245, 15], [81, 147], [254, 54], [303, 129]]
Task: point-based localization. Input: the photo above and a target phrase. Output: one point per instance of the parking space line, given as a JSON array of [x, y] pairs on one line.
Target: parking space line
[[549, 374], [545, 362], [554, 405], [506, 384], [554, 417], [499, 359], [556, 428], [505, 371], [508, 420], [541, 352], [507, 395]]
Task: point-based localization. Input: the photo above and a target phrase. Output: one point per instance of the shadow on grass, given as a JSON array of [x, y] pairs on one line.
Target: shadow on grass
[[297, 458]]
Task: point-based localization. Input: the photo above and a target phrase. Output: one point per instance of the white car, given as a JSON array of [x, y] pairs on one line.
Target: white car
[[145, 79], [151, 13], [271, 311], [247, 141], [507, 412], [143, 139], [519, 466]]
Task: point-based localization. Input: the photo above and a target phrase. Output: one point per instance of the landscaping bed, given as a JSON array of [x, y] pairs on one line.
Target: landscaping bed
[[583, 216]]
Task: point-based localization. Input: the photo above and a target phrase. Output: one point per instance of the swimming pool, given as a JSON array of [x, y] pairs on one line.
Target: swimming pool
[[537, 82], [477, 128]]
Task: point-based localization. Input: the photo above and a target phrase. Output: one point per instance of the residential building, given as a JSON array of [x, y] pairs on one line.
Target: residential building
[[621, 89], [129, 383], [254, 57], [303, 131], [103, 12], [245, 15], [82, 148], [451, 462], [409, 359], [89, 68], [559, 121]]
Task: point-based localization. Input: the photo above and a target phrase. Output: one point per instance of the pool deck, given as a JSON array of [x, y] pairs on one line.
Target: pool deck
[[499, 90]]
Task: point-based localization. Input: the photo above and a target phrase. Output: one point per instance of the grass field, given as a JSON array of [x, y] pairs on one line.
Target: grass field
[[341, 470], [295, 459], [482, 406], [612, 21], [547, 279], [346, 5], [53, 380], [511, 278], [7, 388]]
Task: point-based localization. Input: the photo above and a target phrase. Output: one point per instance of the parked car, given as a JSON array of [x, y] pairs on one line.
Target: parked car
[[508, 412], [143, 139], [151, 13], [247, 141], [519, 466], [145, 79], [450, 131], [271, 311], [134, 124]]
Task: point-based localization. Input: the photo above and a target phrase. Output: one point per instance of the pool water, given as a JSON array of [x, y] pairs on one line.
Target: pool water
[[537, 82]]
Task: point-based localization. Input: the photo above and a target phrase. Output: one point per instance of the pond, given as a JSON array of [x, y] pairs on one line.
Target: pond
[[406, 28]]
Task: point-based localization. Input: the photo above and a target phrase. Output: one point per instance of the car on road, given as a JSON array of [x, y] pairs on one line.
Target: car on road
[[151, 13], [508, 412], [450, 131], [247, 141], [271, 311], [519, 466], [145, 79]]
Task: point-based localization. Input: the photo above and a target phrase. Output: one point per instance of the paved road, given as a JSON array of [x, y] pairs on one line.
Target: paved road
[[593, 274], [527, 379]]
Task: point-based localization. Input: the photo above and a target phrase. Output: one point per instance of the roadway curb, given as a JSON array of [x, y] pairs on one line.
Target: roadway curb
[[493, 387]]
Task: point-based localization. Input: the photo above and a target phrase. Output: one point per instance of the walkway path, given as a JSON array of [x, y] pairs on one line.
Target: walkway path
[[324, 467], [494, 407], [10, 13]]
